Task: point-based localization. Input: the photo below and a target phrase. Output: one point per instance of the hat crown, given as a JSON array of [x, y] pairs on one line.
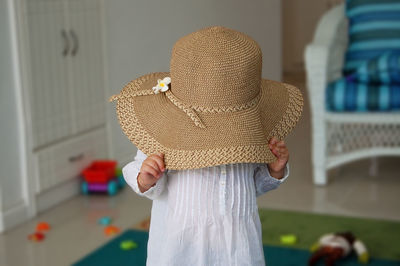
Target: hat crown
[[216, 66]]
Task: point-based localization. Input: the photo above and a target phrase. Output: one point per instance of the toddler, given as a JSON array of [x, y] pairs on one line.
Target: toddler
[[210, 140], [205, 216]]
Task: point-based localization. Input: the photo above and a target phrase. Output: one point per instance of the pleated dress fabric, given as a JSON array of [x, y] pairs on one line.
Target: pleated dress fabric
[[205, 216]]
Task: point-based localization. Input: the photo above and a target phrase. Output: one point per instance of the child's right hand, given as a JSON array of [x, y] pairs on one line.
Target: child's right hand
[[152, 169]]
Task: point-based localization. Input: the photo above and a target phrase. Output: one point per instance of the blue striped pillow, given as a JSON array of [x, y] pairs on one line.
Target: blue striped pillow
[[344, 95], [384, 69], [374, 28]]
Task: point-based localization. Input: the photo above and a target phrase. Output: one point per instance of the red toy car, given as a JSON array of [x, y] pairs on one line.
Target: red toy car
[[102, 176]]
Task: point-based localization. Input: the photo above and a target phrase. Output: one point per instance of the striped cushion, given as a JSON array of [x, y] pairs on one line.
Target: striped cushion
[[374, 28], [345, 95], [384, 69]]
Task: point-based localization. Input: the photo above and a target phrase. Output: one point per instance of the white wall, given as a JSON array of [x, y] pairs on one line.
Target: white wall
[[140, 36], [11, 192], [299, 21]]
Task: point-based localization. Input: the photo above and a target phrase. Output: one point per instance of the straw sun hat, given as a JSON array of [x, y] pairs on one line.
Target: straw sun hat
[[213, 107]]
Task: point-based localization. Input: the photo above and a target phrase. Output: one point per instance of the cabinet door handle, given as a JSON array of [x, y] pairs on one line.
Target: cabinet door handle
[[64, 35], [74, 37], [76, 158]]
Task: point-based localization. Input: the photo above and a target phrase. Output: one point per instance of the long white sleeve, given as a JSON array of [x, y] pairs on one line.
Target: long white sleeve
[[263, 180], [131, 171]]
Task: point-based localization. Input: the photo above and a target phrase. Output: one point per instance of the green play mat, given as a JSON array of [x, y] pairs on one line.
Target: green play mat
[[381, 238]]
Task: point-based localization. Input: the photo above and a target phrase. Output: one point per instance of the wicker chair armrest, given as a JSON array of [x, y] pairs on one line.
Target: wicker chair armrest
[[324, 57]]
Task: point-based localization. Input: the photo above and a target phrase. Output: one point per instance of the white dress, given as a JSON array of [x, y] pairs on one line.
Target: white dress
[[205, 216]]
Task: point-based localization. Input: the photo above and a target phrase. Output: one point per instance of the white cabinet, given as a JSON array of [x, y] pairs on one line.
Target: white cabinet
[[48, 91], [87, 83], [54, 102], [65, 161], [66, 90]]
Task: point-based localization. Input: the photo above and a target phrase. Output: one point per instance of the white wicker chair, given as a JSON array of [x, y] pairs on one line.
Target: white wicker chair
[[338, 138]]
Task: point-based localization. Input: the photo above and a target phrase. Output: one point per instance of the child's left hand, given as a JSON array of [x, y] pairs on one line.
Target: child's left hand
[[281, 152]]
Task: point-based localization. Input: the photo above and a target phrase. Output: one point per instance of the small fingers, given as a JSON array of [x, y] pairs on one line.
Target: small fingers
[[148, 169], [159, 159], [275, 151], [273, 141], [281, 144], [283, 153], [153, 164], [280, 152]]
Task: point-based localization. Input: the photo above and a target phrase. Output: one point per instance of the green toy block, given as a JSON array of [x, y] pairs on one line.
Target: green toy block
[[128, 245], [288, 239]]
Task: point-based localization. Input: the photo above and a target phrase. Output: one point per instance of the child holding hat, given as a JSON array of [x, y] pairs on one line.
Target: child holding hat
[[210, 136]]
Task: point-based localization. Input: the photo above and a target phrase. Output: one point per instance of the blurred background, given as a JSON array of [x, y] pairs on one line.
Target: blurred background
[[60, 61]]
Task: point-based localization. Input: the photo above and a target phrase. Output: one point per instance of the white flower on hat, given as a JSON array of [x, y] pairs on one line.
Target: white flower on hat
[[162, 85]]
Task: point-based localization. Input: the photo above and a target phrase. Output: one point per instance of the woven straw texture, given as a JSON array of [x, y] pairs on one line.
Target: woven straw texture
[[218, 109]]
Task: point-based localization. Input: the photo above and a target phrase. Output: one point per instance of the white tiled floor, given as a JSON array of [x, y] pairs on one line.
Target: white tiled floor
[[74, 232], [351, 191]]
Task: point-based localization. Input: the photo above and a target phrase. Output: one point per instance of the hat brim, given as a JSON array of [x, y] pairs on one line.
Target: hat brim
[[154, 124]]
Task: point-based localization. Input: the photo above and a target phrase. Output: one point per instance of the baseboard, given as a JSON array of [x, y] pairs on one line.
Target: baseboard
[[19, 214], [57, 195], [14, 216]]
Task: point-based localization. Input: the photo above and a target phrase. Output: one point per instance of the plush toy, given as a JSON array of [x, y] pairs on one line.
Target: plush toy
[[334, 246]]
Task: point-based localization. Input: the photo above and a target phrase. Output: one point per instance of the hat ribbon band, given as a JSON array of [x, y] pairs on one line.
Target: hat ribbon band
[[191, 110], [188, 110]]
